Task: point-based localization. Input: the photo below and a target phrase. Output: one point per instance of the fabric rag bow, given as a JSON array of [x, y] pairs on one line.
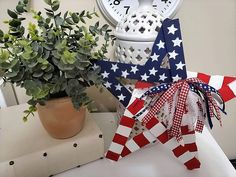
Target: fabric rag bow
[[182, 88]]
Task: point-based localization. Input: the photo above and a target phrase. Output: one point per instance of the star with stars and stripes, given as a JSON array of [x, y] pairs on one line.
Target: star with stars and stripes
[[168, 43]]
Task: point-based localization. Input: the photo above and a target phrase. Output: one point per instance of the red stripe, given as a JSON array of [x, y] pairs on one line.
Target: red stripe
[[227, 80], [126, 121], [112, 155], [178, 151], [120, 139], [141, 140], [141, 85], [152, 123], [193, 164], [163, 138], [226, 93], [204, 77], [191, 147], [125, 152], [185, 130], [136, 106]]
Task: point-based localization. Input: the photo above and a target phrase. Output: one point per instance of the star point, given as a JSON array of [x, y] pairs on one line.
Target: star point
[[154, 57], [163, 77], [118, 87], [105, 74], [176, 78], [177, 42], [153, 71], [173, 54], [180, 66], [161, 45], [144, 77], [114, 67], [121, 97], [95, 66], [172, 29], [134, 69], [107, 84], [124, 74]]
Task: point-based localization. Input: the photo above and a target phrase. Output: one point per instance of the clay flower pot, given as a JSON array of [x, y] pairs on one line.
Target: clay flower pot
[[60, 119]]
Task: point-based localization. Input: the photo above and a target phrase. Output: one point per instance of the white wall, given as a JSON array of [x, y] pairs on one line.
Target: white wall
[[209, 33]]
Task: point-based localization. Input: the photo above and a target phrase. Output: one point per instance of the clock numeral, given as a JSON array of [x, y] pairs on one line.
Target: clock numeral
[[116, 2], [165, 1], [127, 9]]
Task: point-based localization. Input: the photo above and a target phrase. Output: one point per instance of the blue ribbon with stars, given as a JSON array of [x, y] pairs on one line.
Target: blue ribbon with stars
[[168, 43]]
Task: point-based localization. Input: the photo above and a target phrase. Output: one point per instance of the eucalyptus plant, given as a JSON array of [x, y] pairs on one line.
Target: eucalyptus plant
[[53, 57]]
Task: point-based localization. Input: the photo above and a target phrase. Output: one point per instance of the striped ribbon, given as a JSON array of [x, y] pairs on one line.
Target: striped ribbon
[[182, 88]]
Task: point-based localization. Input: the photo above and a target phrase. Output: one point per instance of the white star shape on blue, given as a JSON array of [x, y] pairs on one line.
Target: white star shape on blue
[[121, 97], [176, 78], [163, 77], [172, 29], [105, 74], [134, 69], [124, 74], [95, 67], [153, 71], [161, 45], [155, 57], [114, 67], [107, 84], [144, 77], [118, 87], [177, 42], [173, 54], [180, 66]]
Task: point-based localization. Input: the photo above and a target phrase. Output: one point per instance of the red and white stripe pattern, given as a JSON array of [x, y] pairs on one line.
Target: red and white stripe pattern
[[224, 84], [156, 131]]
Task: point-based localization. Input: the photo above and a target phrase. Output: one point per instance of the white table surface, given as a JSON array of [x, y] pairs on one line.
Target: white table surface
[[156, 161]]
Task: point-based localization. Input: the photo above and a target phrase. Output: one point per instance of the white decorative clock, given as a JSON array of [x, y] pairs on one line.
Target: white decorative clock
[[114, 10]]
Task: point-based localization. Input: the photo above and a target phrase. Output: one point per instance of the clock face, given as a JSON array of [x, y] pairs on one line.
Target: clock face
[[114, 10]]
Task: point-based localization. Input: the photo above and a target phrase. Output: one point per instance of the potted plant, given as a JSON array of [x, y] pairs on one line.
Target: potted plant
[[53, 60]]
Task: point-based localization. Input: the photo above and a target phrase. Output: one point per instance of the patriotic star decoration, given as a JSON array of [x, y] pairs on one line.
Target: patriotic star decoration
[[172, 29], [177, 42], [167, 43]]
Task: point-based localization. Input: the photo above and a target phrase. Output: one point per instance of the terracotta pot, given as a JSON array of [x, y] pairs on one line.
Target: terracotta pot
[[60, 119]]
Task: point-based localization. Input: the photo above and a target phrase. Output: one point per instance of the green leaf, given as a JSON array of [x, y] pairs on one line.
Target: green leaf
[[75, 17], [48, 10], [49, 14], [55, 5], [20, 8], [26, 2], [59, 20], [47, 76], [68, 57], [12, 14], [48, 2], [15, 23], [69, 21], [1, 33]]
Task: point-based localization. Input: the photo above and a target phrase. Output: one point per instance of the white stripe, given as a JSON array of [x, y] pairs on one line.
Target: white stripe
[[149, 136], [132, 146], [191, 74], [157, 130], [117, 148], [232, 86], [189, 139], [186, 156], [127, 113], [123, 130], [172, 144], [216, 81]]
